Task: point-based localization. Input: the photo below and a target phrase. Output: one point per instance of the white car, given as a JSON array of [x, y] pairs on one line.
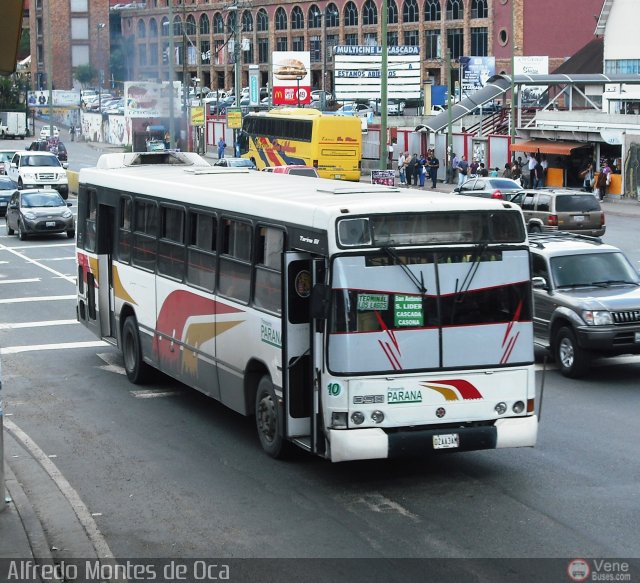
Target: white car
[[45, 132], [357, 109], [394, 106], [38, 170]]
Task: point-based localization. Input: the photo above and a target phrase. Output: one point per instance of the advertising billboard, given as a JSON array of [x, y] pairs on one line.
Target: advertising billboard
[[475, 72], [150, 99], [291, 78], [532, 95], [70, 99], [358, 72]]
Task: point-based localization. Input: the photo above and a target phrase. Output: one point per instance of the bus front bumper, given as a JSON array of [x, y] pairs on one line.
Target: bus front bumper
[[375, 443]]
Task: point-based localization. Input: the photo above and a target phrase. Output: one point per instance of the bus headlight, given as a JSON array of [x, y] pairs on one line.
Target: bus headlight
[[339, 419], [597, 317], [357, 417], [501, 408], [518, 407], [377, 416]]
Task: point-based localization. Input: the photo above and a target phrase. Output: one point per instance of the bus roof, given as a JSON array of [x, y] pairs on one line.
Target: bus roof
[[296, 199]]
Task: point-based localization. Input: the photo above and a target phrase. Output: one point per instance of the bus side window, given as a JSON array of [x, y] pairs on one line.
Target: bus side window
[[124, 232], [90, 220], [171, 246], [201, 250], [235, 261], [145, 234], [268, 286]]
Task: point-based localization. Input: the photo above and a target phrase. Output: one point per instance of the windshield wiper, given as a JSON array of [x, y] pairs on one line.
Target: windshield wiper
[[419, 283], [608, 282]]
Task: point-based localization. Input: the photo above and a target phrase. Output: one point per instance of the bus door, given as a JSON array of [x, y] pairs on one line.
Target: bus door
[[297, 365], [104, 246]]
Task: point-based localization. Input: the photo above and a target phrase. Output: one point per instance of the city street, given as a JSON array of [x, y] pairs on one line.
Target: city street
[[163, 471]]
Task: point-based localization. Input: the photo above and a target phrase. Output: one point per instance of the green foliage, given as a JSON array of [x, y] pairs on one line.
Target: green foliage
[[9, 94], [85, 74]]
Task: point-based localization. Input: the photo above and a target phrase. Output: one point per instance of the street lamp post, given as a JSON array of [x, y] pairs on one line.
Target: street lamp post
[[172, 121], [99, 27], [49, 70]]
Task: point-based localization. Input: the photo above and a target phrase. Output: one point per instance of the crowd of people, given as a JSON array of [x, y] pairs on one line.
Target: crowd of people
[[414, 170]]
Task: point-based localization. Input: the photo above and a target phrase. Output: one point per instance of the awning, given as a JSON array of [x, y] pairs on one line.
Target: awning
[[547, 147]]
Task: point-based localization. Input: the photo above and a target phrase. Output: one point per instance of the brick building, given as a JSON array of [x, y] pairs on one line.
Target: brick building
[[72, 31], [466, 27]]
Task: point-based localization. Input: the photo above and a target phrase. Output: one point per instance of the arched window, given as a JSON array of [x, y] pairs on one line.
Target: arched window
[[314, 17], [432, 12], [297, 18], [369, 13], [410, 11], [247, 21], [153, 28], [177, 26], [164, 28], [231, 22], [263, 20], [455, 9], [479, 9], [218, 23], [281, 19], [204, 24], [350, 14], [190, 27], [142, 29], [333, 16], [392, 12]]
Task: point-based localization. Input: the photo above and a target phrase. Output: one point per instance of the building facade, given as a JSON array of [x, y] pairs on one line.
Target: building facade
[[66, 34], [203, 34]]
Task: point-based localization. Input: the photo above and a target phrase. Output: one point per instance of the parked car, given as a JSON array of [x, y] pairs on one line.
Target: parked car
[[394, 106], [7, 188], [39, 170], [561, 209], [37, 212], [586, 300], [235, 163], [501, 188], [45, 132], [5, 160], [293, 169], [357, 109]]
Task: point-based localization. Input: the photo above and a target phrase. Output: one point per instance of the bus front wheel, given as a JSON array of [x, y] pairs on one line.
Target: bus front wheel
[[269, 419], [138, 371]]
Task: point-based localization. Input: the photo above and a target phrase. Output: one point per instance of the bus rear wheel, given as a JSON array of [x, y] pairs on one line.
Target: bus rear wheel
[[269, 422], [138, 371]]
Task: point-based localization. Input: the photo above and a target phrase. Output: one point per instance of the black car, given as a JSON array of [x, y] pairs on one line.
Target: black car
[[7, 188], [39, 212]]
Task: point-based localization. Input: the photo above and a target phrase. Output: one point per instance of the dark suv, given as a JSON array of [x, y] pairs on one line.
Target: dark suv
[[561, 209], [586, 300]]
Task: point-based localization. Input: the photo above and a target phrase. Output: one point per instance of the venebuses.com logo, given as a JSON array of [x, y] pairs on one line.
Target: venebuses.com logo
[[598, 570]]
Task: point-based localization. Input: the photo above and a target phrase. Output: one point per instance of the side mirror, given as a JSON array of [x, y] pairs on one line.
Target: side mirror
[[65, 165], [539, 283], [69, 204], [320, 295], [14, 164]]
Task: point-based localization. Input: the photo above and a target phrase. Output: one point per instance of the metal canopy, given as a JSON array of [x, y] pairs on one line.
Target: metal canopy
[[499, 84], [547, 147]]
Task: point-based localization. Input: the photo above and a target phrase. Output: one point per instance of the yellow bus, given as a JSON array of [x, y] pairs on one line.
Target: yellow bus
[[332, 144]]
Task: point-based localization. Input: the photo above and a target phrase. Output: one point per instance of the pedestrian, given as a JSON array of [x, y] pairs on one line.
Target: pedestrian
[[221, 146], [412, 176], [507, 172], [434, 164], [463, 170], [587, 177], [482, 170], [538, 173], [531, 166], [473, 168], [402, 168], [72, 132], [545, 167], [422, 169], [603, 180], [516, 173], [495, 173], [452, 169]]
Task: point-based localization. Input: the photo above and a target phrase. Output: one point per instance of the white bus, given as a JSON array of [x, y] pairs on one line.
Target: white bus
[[355, 321]]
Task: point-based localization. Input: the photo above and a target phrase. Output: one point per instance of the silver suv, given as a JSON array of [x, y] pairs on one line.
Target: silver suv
[[586, 300]]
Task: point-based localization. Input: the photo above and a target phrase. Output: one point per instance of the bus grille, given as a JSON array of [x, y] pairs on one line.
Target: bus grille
[[626, 317]]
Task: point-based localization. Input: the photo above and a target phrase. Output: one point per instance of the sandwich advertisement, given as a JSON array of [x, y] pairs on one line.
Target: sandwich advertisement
[[148, 99], [291, 78]]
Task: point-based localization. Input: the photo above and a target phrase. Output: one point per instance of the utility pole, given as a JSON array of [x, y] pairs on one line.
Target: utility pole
[[384, 78], [512, 126], [99, 27], [49, 69], [449, 106], [172, 121]]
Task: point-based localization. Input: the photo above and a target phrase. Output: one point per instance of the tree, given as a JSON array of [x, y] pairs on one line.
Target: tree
[[85, 74], [9, 93]]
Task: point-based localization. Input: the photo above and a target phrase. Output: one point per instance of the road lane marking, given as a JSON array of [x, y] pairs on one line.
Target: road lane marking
[[29, 280], [43, 246], [37, 299], [68, 258], [113, 361], [79, 507], [62, 346], [16, 325], [152, 394], [22, 256]]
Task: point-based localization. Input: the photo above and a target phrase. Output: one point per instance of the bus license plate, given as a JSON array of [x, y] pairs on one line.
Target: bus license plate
[[446, 441]]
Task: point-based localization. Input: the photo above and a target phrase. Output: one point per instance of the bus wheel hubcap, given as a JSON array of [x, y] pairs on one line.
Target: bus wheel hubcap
[[267, 418]]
